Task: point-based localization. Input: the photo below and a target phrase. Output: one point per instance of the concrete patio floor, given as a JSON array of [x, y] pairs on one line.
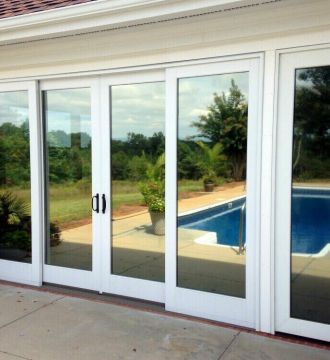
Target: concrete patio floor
[[44, 325]]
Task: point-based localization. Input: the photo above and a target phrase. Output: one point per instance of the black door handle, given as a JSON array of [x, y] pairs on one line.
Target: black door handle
[[97, 197], [104, 203]]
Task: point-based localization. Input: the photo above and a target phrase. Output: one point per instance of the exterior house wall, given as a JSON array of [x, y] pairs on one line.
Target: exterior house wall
[[266, 29]]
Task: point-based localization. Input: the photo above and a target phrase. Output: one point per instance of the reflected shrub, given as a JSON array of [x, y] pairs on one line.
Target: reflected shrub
[[154, 195], [153, 189], [15, 223]]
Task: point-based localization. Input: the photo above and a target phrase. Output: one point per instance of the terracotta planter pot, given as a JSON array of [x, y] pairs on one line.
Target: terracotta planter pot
[[209, 186], [158, 222]]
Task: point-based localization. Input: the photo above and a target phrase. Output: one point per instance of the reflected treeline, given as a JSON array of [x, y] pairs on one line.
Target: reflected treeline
[[311, 138], [217, 151], [130, 157], [14, 154], [69, 156]]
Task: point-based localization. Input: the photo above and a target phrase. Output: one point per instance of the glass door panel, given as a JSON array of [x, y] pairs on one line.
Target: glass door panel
[[15, 183], [67, 117], [310, 196], [138, 180], [212, 146]]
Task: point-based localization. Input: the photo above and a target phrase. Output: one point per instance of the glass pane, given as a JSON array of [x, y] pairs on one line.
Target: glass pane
[[212, 145], [138, 180], [15, 186], [67, 115], [310, 229]]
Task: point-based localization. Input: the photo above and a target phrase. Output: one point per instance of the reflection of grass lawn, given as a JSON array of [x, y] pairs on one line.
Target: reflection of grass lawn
[[72, 202]]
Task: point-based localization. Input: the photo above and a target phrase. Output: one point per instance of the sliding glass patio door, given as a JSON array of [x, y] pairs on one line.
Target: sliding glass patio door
[[151, 186], [72, 198], [303, 195], [212, 177]]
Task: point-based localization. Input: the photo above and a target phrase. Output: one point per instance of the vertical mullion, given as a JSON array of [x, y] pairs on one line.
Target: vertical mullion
[[170, 189], [105, 245], [266, 289], [96, 182], [37, 206]]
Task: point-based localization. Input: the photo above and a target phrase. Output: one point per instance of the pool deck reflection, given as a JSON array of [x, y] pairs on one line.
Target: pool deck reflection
[[139, 253]]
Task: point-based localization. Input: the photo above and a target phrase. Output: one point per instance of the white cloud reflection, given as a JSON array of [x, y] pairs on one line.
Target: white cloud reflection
[[138, 108], [68, 110], [14, 107]]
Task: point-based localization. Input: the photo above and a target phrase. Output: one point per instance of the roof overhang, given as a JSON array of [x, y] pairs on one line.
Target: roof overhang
[[107, 14]]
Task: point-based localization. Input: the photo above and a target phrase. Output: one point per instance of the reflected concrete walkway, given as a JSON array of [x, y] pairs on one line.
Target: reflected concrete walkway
[[139, 253], [39, 325]]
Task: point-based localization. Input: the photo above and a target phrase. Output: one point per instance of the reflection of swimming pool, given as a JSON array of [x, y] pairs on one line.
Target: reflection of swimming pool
[[310, 221], [224, 220]]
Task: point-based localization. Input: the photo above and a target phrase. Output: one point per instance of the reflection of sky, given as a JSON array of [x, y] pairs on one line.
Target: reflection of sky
[[300, 82], [196, 94], [68, 122], [14, 107], [69, 110], [138, 108]]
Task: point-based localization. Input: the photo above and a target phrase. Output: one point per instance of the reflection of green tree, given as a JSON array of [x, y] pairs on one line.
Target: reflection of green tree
[[130, 157], [15, 223], [69, 156], [210, 161], [226, 123], [311, 136], [14, 154], [188, 168]]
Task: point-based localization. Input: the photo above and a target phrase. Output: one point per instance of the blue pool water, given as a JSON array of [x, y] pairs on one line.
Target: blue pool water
[[310, 221]]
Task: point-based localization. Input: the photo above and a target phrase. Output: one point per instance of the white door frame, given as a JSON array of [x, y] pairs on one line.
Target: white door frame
[[117, 284], [13, 270], [288, 63], [68, 276], [197, 303]]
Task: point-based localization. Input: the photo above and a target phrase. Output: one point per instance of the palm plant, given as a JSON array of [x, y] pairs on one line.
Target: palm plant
[[15, 222], [210, 160], [12, 209]]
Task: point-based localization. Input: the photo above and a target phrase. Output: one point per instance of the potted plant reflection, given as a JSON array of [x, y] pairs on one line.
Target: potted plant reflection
[[153, 191]]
